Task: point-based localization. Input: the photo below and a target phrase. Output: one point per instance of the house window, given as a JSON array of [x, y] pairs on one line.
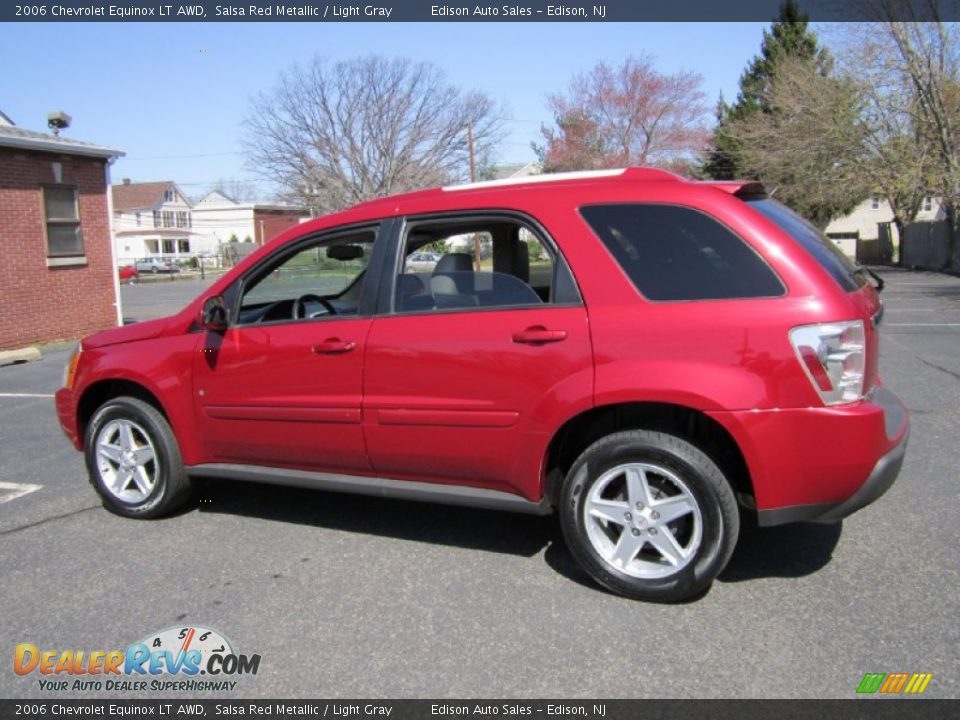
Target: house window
[[168, 218], [183, 246], [874, 203], [62, 219], [168, 247], [152, 245], [137, 215], [927, 204], [183, 219], [168, 196], [156, 218]]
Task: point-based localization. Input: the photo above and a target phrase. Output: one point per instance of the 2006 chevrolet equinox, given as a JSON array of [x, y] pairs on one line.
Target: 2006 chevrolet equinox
[[647, 355]]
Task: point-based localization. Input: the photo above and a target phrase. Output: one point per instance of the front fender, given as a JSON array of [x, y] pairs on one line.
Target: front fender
[[161, 366]]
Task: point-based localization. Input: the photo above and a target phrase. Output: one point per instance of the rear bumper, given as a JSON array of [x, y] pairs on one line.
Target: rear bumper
[[880, 480], [884, 473], [821, 464]]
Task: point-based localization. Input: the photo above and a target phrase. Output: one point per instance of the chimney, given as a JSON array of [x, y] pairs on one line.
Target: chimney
[[126, 181]]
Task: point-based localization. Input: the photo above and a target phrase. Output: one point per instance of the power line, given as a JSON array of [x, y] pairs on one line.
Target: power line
[[182, 157]]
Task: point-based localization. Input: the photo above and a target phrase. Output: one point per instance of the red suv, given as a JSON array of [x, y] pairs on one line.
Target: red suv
[[641, 353]]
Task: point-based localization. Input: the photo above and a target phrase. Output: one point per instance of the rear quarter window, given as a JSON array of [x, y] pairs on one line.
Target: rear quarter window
[[831, 258], [675, 253]]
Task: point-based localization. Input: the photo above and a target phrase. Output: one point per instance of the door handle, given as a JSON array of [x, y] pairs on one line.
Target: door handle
[[334, 346], [539, 335]]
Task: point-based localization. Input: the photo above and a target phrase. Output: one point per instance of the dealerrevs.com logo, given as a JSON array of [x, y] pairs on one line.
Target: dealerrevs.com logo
[[894, 683], [186, 659]]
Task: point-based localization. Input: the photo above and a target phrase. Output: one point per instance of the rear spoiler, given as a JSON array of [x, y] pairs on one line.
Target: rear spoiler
[[743, 189]]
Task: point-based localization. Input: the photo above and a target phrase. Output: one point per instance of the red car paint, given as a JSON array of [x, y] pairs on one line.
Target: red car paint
[[452, 398]]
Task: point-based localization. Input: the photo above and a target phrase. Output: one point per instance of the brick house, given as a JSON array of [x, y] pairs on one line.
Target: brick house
[[59, 277]]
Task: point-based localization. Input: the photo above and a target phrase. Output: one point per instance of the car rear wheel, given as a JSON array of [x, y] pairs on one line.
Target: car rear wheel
[[649, 516], [133, 459]]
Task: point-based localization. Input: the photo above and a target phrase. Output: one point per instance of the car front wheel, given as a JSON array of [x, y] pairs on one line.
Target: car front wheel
[[649, 515], [133, 459]]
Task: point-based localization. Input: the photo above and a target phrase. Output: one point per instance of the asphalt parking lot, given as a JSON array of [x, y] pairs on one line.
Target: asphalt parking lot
[[355, 597]]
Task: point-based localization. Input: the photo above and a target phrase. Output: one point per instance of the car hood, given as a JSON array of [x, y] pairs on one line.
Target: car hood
[[127, 333]]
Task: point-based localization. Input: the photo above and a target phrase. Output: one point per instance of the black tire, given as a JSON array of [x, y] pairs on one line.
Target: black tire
[[706, 489], [171, 486]]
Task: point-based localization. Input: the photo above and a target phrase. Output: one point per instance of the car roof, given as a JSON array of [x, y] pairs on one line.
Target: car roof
[[493, 192]]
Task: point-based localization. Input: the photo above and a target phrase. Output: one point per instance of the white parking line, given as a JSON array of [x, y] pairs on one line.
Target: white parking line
[[920, 325], [16, 490], [28, 395]]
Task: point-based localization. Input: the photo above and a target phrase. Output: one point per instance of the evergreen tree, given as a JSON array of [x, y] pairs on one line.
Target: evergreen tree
[[788, 36]]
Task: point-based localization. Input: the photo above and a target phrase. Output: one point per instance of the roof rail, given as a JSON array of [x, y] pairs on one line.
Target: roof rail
[[632, 173]]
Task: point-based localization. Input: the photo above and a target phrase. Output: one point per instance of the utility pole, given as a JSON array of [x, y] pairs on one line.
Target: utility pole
[[473, 178]]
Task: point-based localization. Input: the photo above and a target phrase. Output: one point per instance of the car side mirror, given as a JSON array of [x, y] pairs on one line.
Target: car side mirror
[[215, 315]]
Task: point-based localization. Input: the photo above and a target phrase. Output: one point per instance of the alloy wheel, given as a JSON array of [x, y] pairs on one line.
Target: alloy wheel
[[643, 520]]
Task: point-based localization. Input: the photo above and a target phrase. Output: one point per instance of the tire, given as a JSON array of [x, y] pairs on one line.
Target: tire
[[154, 270], [649, 516], [133, 459]]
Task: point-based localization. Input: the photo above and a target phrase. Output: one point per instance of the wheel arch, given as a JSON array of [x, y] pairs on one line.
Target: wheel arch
[[102, 391], [695, 426]]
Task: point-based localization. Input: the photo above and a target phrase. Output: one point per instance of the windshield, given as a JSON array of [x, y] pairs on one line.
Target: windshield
[[830, 257]]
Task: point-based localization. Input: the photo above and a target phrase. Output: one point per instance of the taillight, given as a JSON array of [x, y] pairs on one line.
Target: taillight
[[833, 355]]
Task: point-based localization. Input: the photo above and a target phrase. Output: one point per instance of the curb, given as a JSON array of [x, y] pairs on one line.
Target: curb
[[171, 277], [12, 357]]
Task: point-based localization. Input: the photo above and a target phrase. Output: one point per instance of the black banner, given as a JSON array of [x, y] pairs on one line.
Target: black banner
[[456, 11], [854, 709]]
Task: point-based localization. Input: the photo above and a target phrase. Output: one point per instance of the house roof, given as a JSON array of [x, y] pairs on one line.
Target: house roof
[[139, 196], [216, 200], [216, 197], [502, 172], [12, 136]]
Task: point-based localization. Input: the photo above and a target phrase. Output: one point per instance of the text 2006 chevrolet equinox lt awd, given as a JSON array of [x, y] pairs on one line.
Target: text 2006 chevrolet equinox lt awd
[[645, 355]]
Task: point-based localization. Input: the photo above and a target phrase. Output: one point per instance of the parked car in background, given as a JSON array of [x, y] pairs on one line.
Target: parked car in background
[[128, 273], [420, 261], [695, 352], [156, 265]]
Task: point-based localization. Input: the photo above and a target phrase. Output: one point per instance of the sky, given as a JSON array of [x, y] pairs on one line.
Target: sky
[[173, 96]]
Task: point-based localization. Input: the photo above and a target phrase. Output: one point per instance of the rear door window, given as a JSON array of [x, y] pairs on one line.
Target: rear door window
[[674, 253]]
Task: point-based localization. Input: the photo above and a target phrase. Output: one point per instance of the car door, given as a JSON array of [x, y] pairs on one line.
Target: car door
[[281, 386], [466, 372]]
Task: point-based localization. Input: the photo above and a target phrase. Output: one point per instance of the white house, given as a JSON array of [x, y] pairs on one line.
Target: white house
[[862, 223], [154, 220], [217, 218]]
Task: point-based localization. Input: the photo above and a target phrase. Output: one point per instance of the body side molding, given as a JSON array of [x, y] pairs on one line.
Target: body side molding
[[375, 486]]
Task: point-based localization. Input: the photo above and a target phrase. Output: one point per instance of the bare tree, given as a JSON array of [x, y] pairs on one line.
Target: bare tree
[[332, 135], [927, 55], [234, 189], [809, 148], [626, 115], [900, 162]]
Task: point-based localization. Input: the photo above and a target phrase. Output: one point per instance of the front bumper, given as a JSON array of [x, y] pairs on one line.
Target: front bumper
[[821, 464], [67, 415]]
